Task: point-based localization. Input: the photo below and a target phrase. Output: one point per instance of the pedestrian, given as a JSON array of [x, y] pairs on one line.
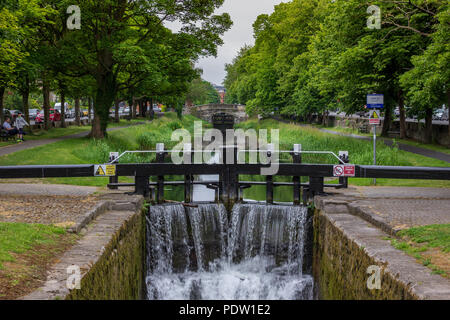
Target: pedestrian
[[9, 129], [20, 124]]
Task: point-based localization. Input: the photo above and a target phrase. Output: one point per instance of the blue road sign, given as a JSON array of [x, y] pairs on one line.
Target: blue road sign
[[375, 101]]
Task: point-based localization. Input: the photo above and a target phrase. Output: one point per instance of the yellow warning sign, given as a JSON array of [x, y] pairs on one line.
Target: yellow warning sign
[[100, 171], [104, 170], [110, 170], [375, 115]]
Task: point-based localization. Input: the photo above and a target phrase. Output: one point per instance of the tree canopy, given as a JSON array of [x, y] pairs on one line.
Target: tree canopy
[[311, 56]]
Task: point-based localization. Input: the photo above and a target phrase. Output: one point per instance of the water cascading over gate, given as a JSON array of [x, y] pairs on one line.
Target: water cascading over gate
[[255, 252]]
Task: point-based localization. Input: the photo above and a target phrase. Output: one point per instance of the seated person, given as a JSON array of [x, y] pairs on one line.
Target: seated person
[[8, 128]]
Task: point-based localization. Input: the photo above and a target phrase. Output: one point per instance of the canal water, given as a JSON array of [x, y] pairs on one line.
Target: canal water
[[254, 252]]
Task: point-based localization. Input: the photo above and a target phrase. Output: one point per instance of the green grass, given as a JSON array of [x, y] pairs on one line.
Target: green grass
[[360, 152], [89, 151], [70, 130], [419, 240], [433, 236], [20, 237], [434, 147]]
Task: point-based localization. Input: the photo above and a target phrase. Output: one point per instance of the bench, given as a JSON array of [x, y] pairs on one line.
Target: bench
[[5, 136]]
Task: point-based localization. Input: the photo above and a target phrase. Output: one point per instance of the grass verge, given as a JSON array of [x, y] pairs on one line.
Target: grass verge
[[430, 245], [26, 252]]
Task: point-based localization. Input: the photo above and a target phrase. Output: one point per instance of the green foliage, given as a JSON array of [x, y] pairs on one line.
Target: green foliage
[[202, 92], [313, 56]]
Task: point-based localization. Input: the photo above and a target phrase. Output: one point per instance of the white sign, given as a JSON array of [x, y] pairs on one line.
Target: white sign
[[375, 101], [344, 171]]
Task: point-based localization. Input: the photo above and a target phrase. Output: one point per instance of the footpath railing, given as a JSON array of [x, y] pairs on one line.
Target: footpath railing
[[229, 188]]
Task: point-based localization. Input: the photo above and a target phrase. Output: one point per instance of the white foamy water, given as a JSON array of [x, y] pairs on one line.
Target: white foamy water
[[198, 254]]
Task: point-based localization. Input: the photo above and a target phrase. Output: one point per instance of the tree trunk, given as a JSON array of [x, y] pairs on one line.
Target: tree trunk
[[2, 93], [63, 109], [448, 109], [46, 92], [96, 131], [104, 99], [133, 109], [387, 121], [77, 112], [25, 97], [401, 106], [89, 110], [429, 125], [116, 111]]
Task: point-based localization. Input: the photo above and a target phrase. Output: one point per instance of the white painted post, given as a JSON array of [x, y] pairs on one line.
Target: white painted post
[[187, 153], [160, 147]]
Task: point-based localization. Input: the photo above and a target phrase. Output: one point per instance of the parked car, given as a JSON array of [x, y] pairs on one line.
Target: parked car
[[55, 115], [68, 113], [363, 113], [156, 108], [33, 113], [439, 114]]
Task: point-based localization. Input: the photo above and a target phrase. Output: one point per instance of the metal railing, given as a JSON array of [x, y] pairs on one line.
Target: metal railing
[[229, 188]]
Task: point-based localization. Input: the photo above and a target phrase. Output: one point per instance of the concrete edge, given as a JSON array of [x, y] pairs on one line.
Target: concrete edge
[[90, 248], [84, 220], [395, 263]]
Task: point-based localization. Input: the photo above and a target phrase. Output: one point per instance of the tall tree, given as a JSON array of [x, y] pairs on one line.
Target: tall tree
[[114, 33]]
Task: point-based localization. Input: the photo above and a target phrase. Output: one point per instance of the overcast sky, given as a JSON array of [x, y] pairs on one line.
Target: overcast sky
[[243, 13]]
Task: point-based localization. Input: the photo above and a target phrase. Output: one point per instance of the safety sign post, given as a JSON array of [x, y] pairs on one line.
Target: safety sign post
[[375, 102]]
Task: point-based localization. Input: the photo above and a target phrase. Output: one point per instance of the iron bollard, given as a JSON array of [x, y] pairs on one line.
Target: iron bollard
[[297, 158], [343, 155], [160, 155]]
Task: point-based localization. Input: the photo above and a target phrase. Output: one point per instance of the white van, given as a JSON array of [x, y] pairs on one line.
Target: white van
[[68, 112]]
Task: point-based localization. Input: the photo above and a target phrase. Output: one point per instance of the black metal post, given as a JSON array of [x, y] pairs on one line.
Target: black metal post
[[316, 185], [296, 158], [269, 189], [115, 179], [344, 180], [141, 185]]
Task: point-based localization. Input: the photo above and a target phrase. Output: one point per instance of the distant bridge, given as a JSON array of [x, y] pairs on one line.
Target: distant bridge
[[207, 111]]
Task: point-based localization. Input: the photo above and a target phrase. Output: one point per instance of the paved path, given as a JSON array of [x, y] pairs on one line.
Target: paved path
[[36, 143], [45, 190], [395, 208], [405, 147]]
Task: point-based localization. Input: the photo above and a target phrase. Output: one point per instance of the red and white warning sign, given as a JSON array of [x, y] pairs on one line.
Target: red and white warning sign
[[375, 118], [344, 171]]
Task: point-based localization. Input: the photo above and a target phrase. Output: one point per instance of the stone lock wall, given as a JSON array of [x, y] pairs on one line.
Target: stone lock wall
[[340, 267], [119, 272]]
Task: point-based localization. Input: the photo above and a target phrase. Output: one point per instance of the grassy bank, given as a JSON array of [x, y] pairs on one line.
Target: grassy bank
[[62, 132], [87, 151], [434, 147], [361, 152], [430, 245], [26, 251]]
